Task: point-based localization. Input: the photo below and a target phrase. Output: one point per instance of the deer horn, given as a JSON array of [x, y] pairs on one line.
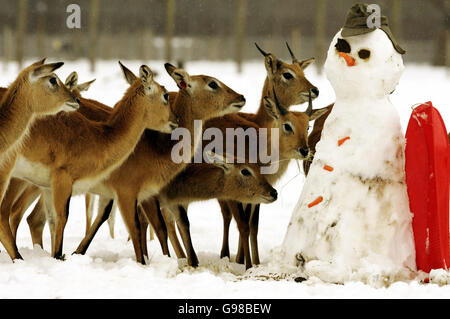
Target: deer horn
[[294, 59], [261, 50], [281, 108], [310, 106]]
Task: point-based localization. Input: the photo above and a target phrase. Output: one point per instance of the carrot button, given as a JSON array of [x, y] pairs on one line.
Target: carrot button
[[328, 168], [342, 140], [317, 201]]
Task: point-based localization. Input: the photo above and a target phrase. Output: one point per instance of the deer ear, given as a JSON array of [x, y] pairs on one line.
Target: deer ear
[[85, 86], [305, 63], [318, 113], [271, 108], [272, 64], [180, 76], [40, 62], [46, 69], [129, 76], [145, 74], [71, 80]]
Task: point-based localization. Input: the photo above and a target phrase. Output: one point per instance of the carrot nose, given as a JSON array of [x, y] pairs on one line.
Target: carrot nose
[[350, 61]]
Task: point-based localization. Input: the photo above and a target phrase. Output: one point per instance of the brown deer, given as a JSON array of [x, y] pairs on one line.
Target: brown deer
[[290, 143], [35, 93], [21, 194], [70, 153], [291, 87], [200, 97], [202, 181], [289, 81]]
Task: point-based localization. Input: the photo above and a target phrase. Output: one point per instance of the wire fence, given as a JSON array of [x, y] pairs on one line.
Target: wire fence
[[186, 30]]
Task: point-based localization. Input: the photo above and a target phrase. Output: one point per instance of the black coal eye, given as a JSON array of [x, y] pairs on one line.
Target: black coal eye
[[342, 46], [287, 127], [53, 81], [166, 96], [213, 85], [364, 54], [245, 172], [287, 76]]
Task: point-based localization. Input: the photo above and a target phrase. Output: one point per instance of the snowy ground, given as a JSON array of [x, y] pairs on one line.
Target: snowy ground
[[109, 270]]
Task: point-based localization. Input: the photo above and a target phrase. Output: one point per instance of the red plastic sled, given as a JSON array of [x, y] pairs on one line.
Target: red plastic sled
[[427, 178]]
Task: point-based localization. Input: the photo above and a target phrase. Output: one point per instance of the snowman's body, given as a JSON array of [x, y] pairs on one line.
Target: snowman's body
[[362, 227]]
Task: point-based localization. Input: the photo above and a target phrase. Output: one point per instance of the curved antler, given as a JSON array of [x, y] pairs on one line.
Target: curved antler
[[261, 50], [294, 59], [281, 108]]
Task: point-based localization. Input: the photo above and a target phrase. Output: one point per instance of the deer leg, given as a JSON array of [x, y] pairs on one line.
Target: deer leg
[[169, 220], [240, 253], [61, 193], [183, 226], [254, 221], [226, 215], [151, 210], [89, 205], [21, 205], [128, 209], [111, 220], [105, 206], [143, 225], [242, 216], [36, 222], [7, 200]]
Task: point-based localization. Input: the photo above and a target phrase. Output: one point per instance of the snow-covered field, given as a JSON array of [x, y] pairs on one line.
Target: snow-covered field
[[109, 270]]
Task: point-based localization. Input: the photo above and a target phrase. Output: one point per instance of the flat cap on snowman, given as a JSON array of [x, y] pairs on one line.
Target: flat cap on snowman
[[356, 23]]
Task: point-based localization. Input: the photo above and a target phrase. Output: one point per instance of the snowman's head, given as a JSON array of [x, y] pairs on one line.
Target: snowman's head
[[363, 65]]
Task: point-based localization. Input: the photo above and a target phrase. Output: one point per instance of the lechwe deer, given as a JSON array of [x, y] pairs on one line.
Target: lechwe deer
[[291, 87], [290, 142], [70, 153], [289, 81], [239, 181], [21, 194], [35, 93], [200, 97]]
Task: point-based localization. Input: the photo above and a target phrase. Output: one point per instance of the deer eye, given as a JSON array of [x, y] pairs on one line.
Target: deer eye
[[245, 172], [287, 76], [213, 85], [364, 54], [287, 127], [342, 46], [166, 96], [53, 81]]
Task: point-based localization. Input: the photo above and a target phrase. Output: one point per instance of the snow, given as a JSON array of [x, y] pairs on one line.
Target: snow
[[108, 270]]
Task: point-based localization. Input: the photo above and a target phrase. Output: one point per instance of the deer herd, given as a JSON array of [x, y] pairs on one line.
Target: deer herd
[[55, 144]]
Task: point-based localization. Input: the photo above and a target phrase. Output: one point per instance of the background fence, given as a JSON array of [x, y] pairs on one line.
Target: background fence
[[185, 30]]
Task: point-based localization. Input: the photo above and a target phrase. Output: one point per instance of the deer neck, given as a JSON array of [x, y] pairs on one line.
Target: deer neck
[[125, 125], [201, 188], [262, 118], [184, 110], [15, 117]]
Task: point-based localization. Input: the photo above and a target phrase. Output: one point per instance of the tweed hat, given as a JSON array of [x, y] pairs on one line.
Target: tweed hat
[[356, 24]]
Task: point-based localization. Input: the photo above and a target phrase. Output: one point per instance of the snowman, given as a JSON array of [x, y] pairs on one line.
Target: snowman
[[352, 220]]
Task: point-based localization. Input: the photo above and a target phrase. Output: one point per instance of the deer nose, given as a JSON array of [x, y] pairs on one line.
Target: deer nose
[[315, 92], [274, 194], [304, 151]]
